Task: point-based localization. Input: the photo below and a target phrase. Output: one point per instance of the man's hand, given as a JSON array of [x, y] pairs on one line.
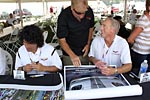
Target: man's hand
[[107, 70], [76, 61], [99, 64], [27, 68], [39, 67], [85, 50]]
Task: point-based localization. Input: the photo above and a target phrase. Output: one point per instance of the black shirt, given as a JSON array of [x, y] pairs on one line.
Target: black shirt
[[75, 32]]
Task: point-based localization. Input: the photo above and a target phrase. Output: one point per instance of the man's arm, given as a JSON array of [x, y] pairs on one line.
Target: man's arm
[[90, 35], [41, 68], [93, 60], [87, 46], [108, 70], [134, 34], [66, 47], [124, 68], [75, 59]]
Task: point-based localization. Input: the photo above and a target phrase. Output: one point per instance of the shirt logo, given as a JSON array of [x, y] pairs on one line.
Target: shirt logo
[[44, 59], [116, 52]]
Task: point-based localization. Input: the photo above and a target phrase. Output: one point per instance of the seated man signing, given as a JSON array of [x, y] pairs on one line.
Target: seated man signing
[[35, 56], [110, 49]]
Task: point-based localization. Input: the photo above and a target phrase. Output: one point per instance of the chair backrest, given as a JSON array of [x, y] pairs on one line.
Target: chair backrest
[[45, 34], [9, 61], [53, 29], [16, 31], [14, 34]]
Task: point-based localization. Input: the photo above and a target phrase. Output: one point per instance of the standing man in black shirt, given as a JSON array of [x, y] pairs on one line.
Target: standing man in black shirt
[[75, 30]]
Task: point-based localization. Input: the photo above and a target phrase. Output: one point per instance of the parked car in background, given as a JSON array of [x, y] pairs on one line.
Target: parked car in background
[[25, 13]]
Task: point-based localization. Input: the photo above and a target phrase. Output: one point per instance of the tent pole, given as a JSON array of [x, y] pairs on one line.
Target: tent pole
[[20, 12], [125, 11]]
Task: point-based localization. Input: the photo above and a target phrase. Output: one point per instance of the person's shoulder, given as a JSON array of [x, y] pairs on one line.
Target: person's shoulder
[[121, 40], [1, 51], [65, 14], [90, 10], [97, 39], [22, 49], [47, 47], [66, 11]]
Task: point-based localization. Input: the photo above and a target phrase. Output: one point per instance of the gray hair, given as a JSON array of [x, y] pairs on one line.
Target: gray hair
[[115, 25]]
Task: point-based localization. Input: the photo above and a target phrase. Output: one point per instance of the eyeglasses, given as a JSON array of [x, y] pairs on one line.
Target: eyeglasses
[[79, 13]]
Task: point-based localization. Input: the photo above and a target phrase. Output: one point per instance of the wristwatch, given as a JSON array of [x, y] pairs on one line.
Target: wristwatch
[[21, 68], [116, 71]]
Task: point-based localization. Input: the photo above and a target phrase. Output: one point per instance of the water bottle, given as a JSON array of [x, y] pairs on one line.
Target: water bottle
[[143, 68]]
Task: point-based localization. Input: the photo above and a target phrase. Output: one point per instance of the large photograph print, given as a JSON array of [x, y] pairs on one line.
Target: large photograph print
[[87, 81], [83, 78]]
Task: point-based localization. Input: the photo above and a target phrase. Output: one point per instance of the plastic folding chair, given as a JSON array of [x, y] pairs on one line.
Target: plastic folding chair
[[54, 31], [9, 61], [12, 43], [45, 34]]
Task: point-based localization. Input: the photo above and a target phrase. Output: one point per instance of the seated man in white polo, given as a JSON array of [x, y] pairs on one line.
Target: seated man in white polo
[[110, 49]]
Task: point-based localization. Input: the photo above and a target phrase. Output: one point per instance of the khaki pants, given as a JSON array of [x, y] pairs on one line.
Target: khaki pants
[[67, 61]]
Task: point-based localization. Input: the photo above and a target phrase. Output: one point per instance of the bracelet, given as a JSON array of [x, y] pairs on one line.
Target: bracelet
[[21, 68]]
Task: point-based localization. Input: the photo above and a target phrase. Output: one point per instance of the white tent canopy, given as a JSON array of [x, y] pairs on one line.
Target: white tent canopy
[[45, 1], [9, 1], [25, 1]]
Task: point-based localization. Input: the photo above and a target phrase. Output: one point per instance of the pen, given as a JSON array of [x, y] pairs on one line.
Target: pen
[[33, 76], [134, 76], [131, 75]]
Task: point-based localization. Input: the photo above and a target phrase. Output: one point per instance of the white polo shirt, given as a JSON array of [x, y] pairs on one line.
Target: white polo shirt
[[44, 55], [117, 54]]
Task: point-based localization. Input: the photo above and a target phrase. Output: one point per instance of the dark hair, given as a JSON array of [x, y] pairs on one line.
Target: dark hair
[[147, 5], [32, 34]]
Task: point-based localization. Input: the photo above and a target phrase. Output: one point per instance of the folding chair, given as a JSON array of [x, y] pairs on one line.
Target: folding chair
[[54, 31], [45, 34], [12, 43], [9, 61]]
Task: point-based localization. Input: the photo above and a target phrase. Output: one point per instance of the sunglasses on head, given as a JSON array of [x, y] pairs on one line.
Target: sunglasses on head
[[79, 13]]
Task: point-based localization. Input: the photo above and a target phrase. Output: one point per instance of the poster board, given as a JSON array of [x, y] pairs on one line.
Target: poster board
[[87, 82]]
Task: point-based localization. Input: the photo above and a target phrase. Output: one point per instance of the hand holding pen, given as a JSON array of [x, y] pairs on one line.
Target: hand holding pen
[[27, 68], [37, 66]]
